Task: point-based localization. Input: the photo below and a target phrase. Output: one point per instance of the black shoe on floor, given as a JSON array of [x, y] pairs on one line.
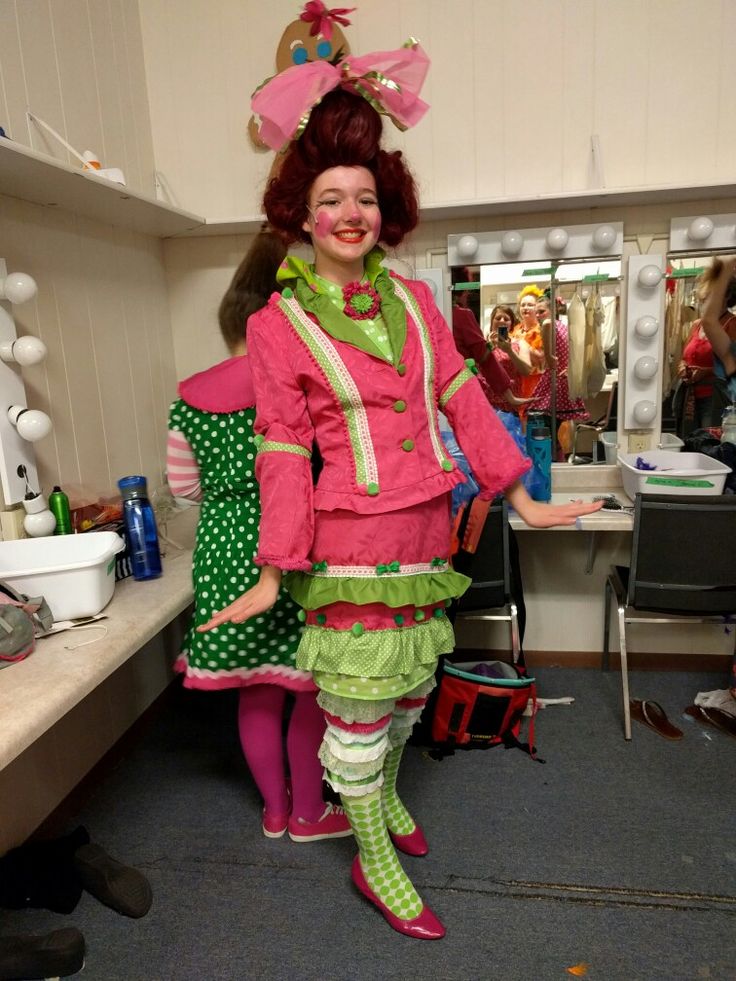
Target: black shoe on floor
[[54, 955], [122, 888]]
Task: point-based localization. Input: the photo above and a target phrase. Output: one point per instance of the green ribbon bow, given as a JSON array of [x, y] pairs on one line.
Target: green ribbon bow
[[319, 566], [389, 567], [436, 561]]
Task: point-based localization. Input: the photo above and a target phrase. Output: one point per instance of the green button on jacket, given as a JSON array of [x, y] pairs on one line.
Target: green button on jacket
[[408, 445], [400, 406]]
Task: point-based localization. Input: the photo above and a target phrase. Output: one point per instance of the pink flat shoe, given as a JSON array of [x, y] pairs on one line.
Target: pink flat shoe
[[274, 825], [426, 926], [333, 824], [411, 844]]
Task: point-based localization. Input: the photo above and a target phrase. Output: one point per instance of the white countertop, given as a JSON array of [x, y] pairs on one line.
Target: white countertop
[[37, 692], [600, 521]]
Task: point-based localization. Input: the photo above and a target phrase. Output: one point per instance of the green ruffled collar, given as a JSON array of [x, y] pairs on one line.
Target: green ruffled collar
[[312, 293]]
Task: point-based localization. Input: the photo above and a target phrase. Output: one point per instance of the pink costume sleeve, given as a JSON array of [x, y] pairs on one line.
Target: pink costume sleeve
[[182, 470], [285, 438], [492, 454]]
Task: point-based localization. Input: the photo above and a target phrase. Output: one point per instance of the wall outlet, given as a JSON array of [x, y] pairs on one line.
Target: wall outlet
[[11, 524], [639, 442]]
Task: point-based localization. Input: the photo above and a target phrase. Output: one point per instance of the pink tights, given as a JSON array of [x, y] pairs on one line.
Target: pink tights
[[260, 721]]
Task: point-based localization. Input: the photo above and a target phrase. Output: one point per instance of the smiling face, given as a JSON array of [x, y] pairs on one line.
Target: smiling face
[[528, 309], [298, 47], [500, 319], [344, 221]]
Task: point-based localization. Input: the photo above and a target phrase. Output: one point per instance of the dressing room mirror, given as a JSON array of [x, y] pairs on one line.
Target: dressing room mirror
[[689, 399], [573, 388]]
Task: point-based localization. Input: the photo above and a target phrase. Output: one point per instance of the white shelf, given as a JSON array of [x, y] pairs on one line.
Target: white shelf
[[567, 201], [42, 180]]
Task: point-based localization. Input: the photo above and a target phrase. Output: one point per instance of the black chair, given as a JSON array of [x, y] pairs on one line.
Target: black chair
[[491, 594], [683, 568]]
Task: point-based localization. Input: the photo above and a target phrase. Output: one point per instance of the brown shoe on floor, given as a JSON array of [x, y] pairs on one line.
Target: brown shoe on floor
[[652, 714], [124, 889], [713, 717]]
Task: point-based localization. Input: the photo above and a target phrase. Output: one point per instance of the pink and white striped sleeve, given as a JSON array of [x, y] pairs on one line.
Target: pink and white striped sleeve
[[181, 467]]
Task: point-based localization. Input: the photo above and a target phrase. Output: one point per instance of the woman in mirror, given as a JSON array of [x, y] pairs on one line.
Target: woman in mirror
[[568, 409], [513, 356], [718, 288], [696, 373], [528, 330]]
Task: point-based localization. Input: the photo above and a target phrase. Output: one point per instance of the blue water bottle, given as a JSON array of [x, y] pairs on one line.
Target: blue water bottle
[[540, 452], [140, 528], [534, 420]]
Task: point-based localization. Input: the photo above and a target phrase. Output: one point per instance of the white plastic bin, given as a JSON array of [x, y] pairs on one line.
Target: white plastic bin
[[75, 574], [676, 473], [668, 441], [610, 446]]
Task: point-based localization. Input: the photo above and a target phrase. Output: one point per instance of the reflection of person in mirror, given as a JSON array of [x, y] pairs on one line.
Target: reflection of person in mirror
[[718, 288], [357, 361], [512, 355], [528, 330], [566, 408], [497, 383], [696, 371]]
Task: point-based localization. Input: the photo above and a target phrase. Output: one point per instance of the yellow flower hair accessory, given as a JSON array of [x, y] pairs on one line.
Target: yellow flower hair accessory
[[531, 290]]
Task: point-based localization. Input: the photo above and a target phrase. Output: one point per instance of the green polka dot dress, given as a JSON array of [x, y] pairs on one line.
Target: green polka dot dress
[[262, 650]]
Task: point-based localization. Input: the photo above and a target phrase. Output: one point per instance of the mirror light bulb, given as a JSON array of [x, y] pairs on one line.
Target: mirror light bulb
[[700, 229], [645, 367], [24, 351], [32, 424], [432, 286], [650, 276], [644, 411], [604, 237], [646, 326], [467, 246], [512, 243], [18, 287], [557, 239]]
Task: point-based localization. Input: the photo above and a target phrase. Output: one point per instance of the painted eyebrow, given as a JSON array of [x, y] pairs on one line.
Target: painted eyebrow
[[337, 190]]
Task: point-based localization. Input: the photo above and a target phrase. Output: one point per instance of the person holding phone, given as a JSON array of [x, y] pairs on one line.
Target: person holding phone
[[512, 355]]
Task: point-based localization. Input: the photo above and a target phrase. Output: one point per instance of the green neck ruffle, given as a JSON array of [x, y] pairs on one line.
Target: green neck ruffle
[[313, 297]]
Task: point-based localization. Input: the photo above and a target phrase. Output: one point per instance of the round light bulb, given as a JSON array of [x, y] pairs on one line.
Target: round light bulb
[[39, 521], [644, 411], [557, 239], [646, 326], [25, 350], [604, 237], [19, 287], [32, 424], [432, 286], [645, 367], [700, 229], [467, 246], [512, 243], [650, 276]]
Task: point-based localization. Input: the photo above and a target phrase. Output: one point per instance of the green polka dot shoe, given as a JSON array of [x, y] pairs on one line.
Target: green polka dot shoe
[[425, 926]]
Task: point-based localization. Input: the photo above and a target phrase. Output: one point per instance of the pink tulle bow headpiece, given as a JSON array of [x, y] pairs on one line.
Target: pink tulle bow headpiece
[[322, 19], [389, 80]]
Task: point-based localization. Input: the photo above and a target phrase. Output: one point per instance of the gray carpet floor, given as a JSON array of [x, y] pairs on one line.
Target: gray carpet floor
[[616, 860]]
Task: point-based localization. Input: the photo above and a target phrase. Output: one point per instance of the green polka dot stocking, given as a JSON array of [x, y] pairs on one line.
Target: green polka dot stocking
[[378, 859], [398, 819]]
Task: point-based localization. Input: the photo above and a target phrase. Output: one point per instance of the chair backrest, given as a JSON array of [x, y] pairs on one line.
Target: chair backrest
[[489, 566], [683, 554]]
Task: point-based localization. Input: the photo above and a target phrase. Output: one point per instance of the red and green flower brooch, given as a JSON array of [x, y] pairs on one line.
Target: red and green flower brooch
[[361, 301]]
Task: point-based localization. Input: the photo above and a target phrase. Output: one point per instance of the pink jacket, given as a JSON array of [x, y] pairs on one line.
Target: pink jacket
[[375, 422]]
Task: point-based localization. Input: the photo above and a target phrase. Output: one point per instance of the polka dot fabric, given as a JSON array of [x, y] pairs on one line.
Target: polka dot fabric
[[381, 867], [263, 649]]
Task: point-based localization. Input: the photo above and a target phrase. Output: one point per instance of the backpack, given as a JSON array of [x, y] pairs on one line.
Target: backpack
[[21, 619], [481, 704]]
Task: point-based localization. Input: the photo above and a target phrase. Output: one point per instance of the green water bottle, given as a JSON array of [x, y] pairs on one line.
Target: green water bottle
[[59, 507]]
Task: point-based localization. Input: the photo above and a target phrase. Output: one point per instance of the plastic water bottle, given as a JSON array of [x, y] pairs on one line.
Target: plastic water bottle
[[540, 452], [534, 420], [140, 528], [728, 425]]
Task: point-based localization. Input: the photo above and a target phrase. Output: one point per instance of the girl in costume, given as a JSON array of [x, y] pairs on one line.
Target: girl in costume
[[357, 362], [211, 457], [512, 355]]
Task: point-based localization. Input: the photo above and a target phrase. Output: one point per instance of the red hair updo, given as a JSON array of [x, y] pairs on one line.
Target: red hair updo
[[343, 131]]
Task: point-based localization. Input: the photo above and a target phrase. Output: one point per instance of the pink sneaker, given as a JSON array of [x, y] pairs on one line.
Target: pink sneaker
[[274, 825], [333, 824]]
